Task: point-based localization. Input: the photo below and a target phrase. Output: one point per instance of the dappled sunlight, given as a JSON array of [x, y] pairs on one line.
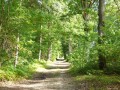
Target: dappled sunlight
[[60, 45], [55, 67], [54, 77]]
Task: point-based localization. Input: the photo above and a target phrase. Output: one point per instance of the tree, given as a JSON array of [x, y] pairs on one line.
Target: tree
[[101, 24]]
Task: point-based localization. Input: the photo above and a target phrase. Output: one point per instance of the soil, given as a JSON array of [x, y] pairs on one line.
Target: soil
[[55, 77]]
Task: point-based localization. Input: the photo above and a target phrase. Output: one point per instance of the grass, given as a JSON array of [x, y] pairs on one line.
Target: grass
[[95, 78], [10, 73], [99, 82], [103, 79]]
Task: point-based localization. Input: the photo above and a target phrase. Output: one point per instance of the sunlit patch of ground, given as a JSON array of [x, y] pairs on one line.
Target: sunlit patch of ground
[[56, 77]]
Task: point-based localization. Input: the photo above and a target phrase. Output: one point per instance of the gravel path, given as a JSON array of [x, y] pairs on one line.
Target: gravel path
[[53, 78]]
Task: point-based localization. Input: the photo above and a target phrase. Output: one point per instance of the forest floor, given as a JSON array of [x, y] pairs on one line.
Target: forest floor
[[54, 77]]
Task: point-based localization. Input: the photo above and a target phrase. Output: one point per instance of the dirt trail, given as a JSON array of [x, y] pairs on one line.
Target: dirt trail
[[55, 77]]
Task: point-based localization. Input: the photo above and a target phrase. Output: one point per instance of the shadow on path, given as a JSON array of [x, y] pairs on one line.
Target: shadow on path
[[55, 77]]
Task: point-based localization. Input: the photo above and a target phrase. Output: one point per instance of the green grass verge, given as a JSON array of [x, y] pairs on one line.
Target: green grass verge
[[22, 71], [103, 79], [99, 82], [95, 78]]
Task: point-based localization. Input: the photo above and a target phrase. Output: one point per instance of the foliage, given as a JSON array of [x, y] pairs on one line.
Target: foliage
[[46, 29], [21, 71], [84, 58]]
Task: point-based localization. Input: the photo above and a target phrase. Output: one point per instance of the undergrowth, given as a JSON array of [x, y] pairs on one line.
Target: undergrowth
[[22, 71], [91, 73], [99, 82], [92, 68]]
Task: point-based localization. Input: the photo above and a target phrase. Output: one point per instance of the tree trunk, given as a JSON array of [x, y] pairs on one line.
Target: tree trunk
[[65, 48], [17, 51], [40, 48], [17, 46], [70, 45], [101, 11], [49, 52], [58, 55]]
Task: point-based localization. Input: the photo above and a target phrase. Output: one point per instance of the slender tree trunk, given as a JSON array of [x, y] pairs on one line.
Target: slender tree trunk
[[50, 52], [70, 45], [40, 40], [101, 11], [1, 30], [58, 55], [65, 48], [17, 46], [1, 15], [40, 48], [17, 51]]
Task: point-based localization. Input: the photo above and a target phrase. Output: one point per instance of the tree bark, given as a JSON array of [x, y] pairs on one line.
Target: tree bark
[[40, 48], [101, 11], [50, 52], [17, 51], [70, 45]]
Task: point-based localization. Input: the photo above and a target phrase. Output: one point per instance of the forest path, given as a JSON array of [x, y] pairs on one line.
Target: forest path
[[55, 77]]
